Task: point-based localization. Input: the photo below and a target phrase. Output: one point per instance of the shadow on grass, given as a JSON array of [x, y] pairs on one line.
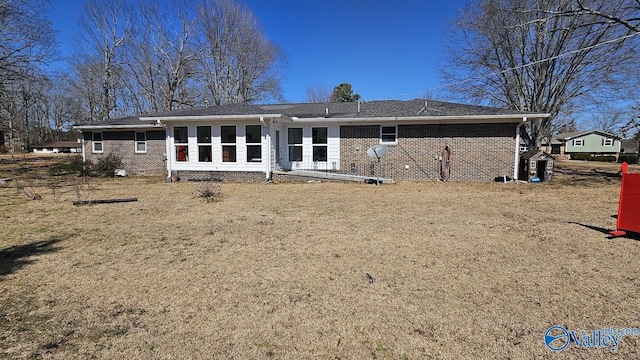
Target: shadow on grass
[[15, 257], [628, 235]]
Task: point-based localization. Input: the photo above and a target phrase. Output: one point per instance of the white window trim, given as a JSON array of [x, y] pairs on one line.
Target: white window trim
[[324, 144], [300, 145], [176, 144], [140, 141], [94, 142], [395, 142], [223, 144], [578, 142], [248, 144], [607, 142], [209, 144]]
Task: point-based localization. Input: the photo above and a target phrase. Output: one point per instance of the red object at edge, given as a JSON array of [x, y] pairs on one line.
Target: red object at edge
[[629, 206]]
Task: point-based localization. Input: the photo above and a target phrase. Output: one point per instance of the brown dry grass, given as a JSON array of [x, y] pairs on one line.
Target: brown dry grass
[[279, 271]]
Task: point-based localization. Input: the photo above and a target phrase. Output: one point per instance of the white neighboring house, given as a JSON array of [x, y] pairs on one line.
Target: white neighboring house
[[56, 147]]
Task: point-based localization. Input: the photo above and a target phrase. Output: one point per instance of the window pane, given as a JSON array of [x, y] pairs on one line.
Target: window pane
[[254, 153], [319, 135], [388, 138], [141, 146], [253, 133], [388, 133], [180, 134], [97, 136], [97, 146], [228, 134], [229, 153], [141, 136], [182, 153], [319, 153], [204, 134], [295, 153], [295, 135], [204, 153]]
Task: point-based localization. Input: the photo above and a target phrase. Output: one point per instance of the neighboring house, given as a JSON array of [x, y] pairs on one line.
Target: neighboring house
[[258, 142], [592, 142], [55, 147]]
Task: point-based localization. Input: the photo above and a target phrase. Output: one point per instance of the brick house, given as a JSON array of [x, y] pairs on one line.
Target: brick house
[[141, 145], [258, 142]]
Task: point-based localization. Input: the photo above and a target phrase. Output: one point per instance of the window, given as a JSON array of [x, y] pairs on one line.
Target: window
[[389, 134], [578, 142], [254, 136], [141, 142], [319, 140], [203, 135], [607, 142], [97, 142], [228, 139], [294, 139], [555, 149], [181, 139]]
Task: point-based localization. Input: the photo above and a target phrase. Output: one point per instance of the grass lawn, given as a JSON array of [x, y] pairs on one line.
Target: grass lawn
[[458, 270]]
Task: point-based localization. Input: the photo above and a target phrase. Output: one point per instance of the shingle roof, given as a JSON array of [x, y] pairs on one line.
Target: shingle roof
[[345, 110]]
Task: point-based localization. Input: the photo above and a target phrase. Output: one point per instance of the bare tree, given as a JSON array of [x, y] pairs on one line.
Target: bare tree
[[318, 94], [27, 38], [65, 108], [162, 57], [608, 120], [106, 26], [624, 13], [511, 53], [240, 64]]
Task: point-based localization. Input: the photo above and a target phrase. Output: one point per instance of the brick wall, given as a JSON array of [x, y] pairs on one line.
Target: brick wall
[[480, 151], [237, 176], [122, 143]]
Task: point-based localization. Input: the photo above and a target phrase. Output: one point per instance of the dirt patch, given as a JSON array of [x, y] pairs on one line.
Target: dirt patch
[[315, 270]]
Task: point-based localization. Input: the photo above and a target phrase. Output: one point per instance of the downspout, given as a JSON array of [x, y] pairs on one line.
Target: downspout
[[84, 157], [516, 155], [268, 168], [168, 152]]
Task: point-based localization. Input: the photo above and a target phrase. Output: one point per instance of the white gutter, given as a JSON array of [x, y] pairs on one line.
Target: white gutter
[[84, 157], [516, 156], [167, 149]]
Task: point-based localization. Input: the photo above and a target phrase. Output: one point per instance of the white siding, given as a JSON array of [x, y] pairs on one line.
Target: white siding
[[217, 164], [307, 163]]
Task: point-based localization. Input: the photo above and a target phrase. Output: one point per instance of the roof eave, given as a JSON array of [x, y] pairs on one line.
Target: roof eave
[[210, 117], [510, 118], [100, 127]]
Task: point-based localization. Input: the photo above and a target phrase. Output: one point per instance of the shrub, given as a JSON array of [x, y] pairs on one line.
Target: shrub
[[74, 166], [106, 166], [581, 156], [209, 190], [604, 158], [628, 158]]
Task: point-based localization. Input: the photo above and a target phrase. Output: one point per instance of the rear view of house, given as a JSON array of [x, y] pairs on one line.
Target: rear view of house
[[263, 142]]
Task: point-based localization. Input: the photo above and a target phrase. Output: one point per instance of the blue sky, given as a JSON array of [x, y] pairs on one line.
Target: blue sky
[[385, 49]]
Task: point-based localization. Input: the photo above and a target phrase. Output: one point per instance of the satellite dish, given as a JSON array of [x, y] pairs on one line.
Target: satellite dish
[[377, 151]]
